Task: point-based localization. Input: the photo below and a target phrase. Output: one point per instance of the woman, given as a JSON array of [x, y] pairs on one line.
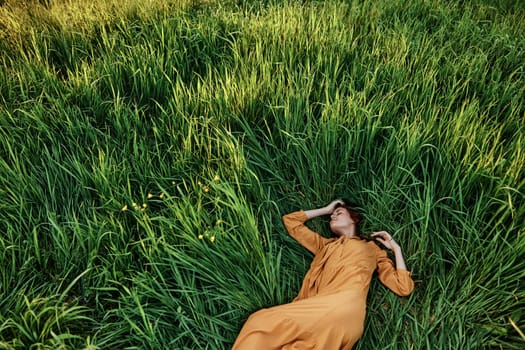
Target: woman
[[329, 311]]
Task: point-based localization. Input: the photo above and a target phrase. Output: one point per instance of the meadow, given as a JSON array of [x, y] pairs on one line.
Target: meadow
[[148, 150]]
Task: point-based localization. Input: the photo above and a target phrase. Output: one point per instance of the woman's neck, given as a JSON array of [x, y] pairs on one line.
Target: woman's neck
[[349, 232]]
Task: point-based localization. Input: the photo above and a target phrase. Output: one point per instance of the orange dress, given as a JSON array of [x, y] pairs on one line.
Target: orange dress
[[329, 311]]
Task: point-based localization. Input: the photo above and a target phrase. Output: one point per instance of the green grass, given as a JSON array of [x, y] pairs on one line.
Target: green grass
[[149, 149]]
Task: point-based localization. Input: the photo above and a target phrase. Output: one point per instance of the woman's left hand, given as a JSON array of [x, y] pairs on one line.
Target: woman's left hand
[[386, 239]]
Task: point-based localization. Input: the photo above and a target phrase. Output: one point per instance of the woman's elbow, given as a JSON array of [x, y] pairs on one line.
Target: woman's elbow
[[405, 291]]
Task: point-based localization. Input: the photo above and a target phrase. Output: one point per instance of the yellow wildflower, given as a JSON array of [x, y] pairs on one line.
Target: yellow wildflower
[[212, 239], [206, 189], [219, 222], [144, 205], [161, 196], [150, 195], [201, 236], [124, 208], [216, 178]]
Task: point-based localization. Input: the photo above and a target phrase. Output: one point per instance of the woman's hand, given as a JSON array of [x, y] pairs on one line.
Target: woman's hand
[[331, 207], [326, 210], [386, 239]]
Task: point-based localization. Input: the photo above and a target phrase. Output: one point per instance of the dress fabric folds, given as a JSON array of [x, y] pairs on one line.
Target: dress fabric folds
[[330, 308]]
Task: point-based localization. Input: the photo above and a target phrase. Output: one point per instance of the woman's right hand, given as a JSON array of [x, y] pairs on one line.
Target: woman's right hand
[[331, 207], [326, 210]]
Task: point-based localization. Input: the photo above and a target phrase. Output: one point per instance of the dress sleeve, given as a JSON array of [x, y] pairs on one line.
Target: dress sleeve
[[294, 223], [399, 281]]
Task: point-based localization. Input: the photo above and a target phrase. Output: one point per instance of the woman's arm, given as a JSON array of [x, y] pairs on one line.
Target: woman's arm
[[386, 239], [294, 223], [396, 278], [327, 210]]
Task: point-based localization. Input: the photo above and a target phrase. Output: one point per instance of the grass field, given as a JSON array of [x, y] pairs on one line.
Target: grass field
[[149, 148]]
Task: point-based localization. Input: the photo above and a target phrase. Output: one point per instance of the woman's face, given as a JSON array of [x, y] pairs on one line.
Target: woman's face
[[340, 219]]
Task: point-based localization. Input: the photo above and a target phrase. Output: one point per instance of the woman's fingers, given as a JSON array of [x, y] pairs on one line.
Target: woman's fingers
[[385, 239], [381, 241], [331, 206], [382, 236], [336, 201]]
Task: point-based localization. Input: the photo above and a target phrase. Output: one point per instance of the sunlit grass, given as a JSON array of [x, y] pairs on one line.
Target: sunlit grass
[[148, 150]]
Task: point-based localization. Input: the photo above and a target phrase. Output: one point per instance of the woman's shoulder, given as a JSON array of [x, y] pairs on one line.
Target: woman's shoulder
[[371, 243]]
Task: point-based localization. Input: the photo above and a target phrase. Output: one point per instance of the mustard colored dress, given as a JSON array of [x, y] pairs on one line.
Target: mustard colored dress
[[329, 311]]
